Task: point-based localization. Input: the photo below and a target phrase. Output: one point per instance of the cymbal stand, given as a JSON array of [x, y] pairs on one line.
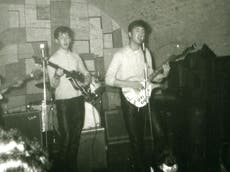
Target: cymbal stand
[[44, 117]]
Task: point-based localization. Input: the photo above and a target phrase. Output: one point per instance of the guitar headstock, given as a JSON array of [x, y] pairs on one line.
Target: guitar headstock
[[190, 49], [193, 48]]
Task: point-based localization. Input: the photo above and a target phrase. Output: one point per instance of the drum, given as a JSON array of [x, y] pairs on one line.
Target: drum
[[92, 117], [91, 121]]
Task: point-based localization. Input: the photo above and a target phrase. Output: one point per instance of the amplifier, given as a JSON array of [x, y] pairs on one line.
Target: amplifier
[[115, 126], [92, 150], [28, 123]]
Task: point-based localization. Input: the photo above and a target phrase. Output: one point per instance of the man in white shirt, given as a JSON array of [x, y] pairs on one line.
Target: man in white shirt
[[128, 69], [69, 101]]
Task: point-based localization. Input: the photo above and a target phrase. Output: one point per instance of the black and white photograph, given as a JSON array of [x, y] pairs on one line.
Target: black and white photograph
[[114, 86]]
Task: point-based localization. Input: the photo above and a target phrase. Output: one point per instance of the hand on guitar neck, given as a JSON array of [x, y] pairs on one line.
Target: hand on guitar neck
[[161, 76], [59, 72]]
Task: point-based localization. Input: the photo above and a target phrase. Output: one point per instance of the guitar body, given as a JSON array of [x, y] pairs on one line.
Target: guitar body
[[76, 78], [139, 98], [89, 95]]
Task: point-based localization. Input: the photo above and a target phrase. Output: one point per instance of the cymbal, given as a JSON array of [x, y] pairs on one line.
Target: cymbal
[[40, 85]]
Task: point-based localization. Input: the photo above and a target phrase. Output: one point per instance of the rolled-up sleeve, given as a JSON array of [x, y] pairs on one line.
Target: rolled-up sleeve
[[113, 69]]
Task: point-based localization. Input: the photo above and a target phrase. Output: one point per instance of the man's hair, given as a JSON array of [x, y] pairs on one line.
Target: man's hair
[[138, 23], [63, 29], [17, 153]]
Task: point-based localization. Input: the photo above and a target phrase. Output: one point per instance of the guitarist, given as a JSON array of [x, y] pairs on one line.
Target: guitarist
[[69, 101], [129, 63]]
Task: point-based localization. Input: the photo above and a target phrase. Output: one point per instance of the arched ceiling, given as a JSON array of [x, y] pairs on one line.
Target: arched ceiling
[[175, 22]]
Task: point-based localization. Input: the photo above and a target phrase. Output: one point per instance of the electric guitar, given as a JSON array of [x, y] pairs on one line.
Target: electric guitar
[[76, 79], [36, 74], [140, 98]]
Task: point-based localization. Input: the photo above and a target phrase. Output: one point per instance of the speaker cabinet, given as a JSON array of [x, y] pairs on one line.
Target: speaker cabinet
[[115, 126], [111, 98], [92, 150], [28, 123]]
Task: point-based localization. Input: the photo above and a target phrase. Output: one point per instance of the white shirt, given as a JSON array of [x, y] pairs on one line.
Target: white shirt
[[128, 64], [68, 61]]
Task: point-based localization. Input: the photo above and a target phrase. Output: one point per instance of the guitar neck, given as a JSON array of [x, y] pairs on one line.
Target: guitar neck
[[57, 66], [159, 69], [73, 74], [171, 58]]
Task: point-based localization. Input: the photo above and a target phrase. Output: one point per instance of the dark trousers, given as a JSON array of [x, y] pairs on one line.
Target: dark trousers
[[2, 123], [135, 123], [70, 115]]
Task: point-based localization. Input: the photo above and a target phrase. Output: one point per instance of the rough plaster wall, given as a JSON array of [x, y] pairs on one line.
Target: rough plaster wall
[[174, 22]]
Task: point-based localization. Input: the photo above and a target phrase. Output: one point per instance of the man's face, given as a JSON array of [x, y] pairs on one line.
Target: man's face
[[137, 35], [64, 40]]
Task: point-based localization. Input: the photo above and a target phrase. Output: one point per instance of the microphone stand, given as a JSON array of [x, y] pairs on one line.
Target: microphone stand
[[146, 95], [44, 118]]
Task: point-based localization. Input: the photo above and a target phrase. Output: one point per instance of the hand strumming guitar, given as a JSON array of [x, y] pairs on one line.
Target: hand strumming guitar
[[87, 80], [129, 83], [135, 85]]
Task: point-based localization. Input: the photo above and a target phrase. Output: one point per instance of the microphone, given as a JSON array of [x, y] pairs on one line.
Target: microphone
[[42, 47], [143, 46]]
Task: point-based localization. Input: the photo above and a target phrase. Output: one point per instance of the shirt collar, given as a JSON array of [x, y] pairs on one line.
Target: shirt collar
[[61, 51], [134, 51]]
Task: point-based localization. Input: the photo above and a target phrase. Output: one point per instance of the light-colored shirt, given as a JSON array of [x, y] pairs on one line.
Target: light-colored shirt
[[70, 62], [128, 64]]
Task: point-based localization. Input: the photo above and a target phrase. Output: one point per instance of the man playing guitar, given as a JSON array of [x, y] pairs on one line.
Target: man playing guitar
[[69, 101], [129, 68]]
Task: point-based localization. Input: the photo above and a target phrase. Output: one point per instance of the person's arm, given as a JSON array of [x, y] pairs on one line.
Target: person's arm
[[54, 76], [112, 80], [161, 76], [81, 67]]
